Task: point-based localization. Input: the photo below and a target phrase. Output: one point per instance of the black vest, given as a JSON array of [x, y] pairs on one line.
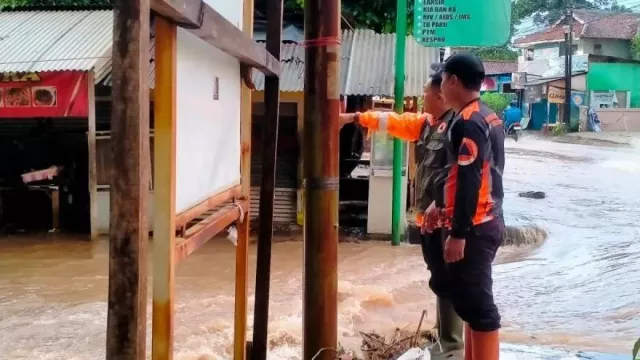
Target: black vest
[[431, 158]]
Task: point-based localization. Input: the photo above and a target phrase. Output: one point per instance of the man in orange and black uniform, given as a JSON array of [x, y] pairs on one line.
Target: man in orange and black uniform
[[471, 204], [428, 131]]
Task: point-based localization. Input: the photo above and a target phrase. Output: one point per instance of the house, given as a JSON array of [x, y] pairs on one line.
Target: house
[[602, 66], [498, 75], [595, 32]]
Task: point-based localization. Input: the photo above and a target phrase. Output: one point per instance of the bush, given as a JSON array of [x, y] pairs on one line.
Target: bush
[[496, 101]]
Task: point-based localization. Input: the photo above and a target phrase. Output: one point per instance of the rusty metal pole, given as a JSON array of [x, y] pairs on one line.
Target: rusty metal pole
[[320, 148], [129, 230], [267, 186]]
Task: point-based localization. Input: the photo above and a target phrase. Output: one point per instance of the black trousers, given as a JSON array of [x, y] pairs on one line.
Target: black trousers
[[467, 284]]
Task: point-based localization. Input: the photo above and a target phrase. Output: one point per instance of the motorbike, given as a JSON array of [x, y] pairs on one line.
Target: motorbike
[[514, 131]]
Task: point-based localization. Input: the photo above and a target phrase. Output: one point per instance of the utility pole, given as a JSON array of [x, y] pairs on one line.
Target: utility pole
[[568, 59], [321, 178], [267, 185], [401, 40]]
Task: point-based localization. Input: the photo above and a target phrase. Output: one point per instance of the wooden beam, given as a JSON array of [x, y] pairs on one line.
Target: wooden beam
[[93, 166], [185, 12], [129, 231], [209, 204], [217, 31], [221, 33], [242, 250], [202, 232], [164, 227]]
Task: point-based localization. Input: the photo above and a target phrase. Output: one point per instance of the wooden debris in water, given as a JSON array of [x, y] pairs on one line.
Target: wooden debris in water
[[377, 347]]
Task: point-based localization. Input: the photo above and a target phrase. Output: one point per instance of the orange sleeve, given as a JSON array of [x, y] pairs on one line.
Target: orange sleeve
[[407, 126]]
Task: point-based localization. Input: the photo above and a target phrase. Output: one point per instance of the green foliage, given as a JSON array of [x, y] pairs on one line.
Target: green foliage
[[548, 11], [496, 101], [494, 53], [635, 47], [14, 3], [636, 350]]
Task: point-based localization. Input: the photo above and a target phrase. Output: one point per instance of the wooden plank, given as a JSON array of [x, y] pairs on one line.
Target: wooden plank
[[129, 231], [240, 322], [93, 164], [164, 227], [202, 232], [218, 199], [219, 32], [186, 12]]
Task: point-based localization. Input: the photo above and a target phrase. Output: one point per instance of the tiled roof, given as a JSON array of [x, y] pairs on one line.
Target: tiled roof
[[500, 67], [367, 65], [594, 24]]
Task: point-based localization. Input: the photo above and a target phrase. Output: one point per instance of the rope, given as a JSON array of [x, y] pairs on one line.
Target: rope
[[320, 42]]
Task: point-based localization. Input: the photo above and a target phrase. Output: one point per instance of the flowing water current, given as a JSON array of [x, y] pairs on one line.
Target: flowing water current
[[572, 296]]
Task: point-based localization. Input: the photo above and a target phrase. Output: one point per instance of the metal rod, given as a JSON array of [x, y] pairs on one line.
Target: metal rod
[[267, 185], [321, 159], [401, 40], [129, 230]]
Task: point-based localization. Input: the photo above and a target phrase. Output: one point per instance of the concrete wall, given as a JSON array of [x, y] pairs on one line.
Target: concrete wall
[[610, 47], [546, 51], [615, 76], [619, 119]]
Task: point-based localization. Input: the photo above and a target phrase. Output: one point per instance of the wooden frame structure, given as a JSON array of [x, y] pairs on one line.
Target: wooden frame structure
[[173, 239]]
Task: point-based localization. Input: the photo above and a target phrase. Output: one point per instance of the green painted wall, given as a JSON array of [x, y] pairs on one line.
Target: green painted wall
[[618, 77]]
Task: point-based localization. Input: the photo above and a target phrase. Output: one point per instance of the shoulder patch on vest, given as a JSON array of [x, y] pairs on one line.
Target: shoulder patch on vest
[[468, 152]]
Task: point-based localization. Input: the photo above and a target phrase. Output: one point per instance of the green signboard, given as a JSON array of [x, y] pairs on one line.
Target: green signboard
[[444, 23]]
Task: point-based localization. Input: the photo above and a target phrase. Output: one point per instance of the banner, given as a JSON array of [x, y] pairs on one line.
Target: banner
[[44, 94], [445, 23], [556, 95]]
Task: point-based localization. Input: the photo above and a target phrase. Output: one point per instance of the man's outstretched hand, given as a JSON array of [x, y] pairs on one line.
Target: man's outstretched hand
[[453, 250]]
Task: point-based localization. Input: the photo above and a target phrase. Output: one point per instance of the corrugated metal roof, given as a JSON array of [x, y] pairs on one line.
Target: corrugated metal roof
[[292, 62], [103, 77], [367, 65], [373, 60], [55, 40]]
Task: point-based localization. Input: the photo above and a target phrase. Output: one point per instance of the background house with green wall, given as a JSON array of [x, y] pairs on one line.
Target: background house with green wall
[[621, 79]]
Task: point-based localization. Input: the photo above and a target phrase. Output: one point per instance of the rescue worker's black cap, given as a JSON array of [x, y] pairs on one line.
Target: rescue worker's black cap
[[467, 67]]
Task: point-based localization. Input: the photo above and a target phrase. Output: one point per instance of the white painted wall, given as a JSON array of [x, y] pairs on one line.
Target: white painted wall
[[208, 130], [610, 47], [231, 10]]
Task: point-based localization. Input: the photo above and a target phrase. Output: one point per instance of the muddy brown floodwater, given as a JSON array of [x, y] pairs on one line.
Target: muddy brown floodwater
[[579, 290]]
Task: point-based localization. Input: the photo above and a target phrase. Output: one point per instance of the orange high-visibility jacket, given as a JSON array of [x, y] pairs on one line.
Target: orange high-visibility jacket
[[407, 126]]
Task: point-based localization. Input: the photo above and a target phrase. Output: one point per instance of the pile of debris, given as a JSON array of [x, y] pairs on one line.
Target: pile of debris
[[404, 344]]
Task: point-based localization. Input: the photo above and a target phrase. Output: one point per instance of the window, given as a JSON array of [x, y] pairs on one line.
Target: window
[[597, 49]]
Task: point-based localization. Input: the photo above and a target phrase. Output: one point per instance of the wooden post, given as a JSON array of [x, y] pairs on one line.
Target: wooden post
[[128, 232], [164, 217], [321, 176], [267, 185], [242, 251], [93, 167]]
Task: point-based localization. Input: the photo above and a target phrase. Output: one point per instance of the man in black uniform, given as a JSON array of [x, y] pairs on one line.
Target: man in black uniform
[[471, 205], [428, 131]]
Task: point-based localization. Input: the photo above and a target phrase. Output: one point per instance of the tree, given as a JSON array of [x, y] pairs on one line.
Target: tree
[[545, 12], [15, 3]]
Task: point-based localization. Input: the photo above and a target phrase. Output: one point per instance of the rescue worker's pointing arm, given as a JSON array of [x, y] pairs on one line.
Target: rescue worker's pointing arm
[[471, 161], [407, 126]]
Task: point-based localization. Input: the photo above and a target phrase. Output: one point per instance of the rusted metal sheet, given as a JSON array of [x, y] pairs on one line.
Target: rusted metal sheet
[[321, 178], [129, 231], [267, 185], [211, 203], [202, 232], [164, 228]]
